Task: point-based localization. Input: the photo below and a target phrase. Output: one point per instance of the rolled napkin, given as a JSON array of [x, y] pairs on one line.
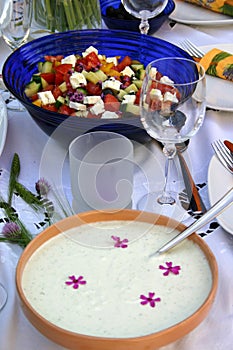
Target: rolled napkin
[[221, 6], [218, 63]]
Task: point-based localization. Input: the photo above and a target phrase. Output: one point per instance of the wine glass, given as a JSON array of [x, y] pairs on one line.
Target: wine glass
[[172, 107], [144, 9], [16, 33]]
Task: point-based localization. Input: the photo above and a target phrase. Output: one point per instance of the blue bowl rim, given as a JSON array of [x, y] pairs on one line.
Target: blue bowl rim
[[92, 32]]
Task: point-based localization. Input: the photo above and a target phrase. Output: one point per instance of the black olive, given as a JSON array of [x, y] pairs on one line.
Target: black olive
[[107, 91]]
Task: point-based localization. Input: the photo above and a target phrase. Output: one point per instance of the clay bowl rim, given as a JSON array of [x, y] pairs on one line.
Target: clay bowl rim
[[158, 339]]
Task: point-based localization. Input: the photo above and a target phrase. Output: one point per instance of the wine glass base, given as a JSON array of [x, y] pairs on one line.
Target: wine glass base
[[3, 296], [11, 102], [150, 203]]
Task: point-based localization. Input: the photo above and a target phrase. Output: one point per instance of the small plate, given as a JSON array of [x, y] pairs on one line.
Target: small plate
[[190, 14], [219, 182], [3, 124], [219, 91]]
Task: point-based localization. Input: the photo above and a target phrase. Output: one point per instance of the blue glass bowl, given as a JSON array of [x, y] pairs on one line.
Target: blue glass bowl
[[22, 63], [133, 24]]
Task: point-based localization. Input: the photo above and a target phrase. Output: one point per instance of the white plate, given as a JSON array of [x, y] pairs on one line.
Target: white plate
[[190, 14], [219, 91], [3, 124], [219, 182]]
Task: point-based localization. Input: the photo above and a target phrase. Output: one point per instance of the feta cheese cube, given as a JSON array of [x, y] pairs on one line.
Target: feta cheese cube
[[77, 79], [109, 115], [98, 108], [46, 97], [78, 106], [69, 60], [127, 71], [91, 100], [165, 80], [153, 72], [129, 98], [111, 83], [112, 60], [89, 50], [168, 96], [156, 93]]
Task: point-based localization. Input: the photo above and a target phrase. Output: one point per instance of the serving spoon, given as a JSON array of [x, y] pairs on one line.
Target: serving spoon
[[214, 211]]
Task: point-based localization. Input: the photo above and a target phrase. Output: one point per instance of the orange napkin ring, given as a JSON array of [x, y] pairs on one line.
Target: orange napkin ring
[[221, 6], [218, 63]]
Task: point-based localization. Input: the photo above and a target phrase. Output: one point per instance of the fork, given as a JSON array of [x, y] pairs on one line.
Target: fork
[[191, 49], [224, 155]]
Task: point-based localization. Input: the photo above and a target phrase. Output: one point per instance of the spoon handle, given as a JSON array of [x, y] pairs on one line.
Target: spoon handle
[[214, 211]]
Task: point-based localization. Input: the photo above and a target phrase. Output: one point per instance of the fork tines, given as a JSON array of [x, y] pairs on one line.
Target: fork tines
[[223, 154], [191, 49]]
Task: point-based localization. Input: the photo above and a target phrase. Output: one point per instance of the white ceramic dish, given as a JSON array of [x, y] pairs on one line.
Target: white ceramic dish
[[190, 14], [219, 182], [3, 124], [219, 91]]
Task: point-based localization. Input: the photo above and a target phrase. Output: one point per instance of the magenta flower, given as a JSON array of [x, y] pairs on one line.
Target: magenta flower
[[75, 281], [169, 268], [120, 243], [11, 230], [150, 299], [42, 187]]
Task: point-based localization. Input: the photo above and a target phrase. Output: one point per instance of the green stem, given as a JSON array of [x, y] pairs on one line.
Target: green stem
[[14, 173]]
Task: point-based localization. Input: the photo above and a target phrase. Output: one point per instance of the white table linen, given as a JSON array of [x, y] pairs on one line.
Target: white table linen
[[27, 139]]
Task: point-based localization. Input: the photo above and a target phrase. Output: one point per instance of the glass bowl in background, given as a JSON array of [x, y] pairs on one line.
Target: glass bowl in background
[[113, 19]]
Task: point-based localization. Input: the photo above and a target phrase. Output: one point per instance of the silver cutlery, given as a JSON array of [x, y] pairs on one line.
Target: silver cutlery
[[191, 49], [223, 154], [214, 211], [225, 157]]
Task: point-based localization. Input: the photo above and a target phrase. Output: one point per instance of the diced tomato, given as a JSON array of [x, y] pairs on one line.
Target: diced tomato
[[91, 61], [63, 68], [93, 89], [59, 78], [34, 97], [127, 61], [53, 58], [137, 100], [93, 116], [49, 77], [111, 103], [56, 92], [49, 87], [66, 110], [50, 107]]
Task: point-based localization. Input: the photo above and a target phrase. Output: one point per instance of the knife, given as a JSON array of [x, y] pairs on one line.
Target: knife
[[195, 202]]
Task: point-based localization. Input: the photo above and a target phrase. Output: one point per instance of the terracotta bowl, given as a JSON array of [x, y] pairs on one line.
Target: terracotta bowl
[[147, 242]]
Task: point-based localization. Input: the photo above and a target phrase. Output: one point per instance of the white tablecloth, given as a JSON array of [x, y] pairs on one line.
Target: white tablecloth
[[25, 138]]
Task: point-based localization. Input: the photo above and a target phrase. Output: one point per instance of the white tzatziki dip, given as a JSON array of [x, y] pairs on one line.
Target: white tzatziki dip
[[98, 279]]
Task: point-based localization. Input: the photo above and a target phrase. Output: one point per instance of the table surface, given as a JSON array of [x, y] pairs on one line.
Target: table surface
[[25, 138]]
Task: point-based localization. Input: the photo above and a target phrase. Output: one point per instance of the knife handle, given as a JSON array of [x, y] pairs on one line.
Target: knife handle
[[196, 203]]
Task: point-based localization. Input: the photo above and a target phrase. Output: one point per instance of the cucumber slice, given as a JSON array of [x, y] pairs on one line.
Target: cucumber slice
[[101, 75], [137, 67], [131, 87], [63, 87], [121, 94], [47, 67], [91, 76], [60, 101], [32, 88]]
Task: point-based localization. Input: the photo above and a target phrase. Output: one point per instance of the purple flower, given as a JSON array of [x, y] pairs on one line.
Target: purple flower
[[169, 268], [42, 187], [149, 300], [75, 281], [11, 230], [120, 243]]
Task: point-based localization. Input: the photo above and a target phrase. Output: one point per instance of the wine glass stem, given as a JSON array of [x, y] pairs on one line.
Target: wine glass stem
[[166, 197], [144, 26]]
